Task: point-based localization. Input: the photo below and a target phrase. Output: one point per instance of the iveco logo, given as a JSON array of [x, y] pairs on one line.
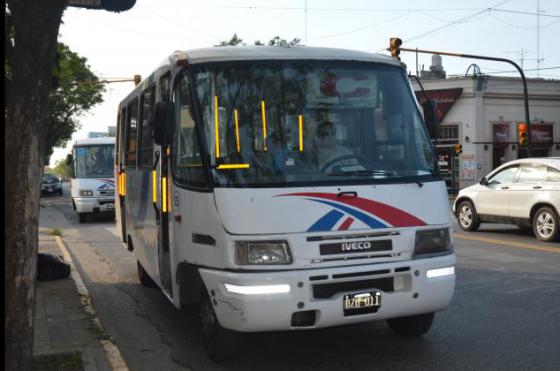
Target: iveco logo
[[351, 246]]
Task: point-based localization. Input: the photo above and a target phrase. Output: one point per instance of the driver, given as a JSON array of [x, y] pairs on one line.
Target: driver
[[326, 149]]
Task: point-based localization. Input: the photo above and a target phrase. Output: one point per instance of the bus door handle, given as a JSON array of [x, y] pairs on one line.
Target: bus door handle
[[347, 194]]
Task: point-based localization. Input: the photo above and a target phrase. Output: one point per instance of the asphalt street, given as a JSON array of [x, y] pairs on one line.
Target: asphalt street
[[505, 314]]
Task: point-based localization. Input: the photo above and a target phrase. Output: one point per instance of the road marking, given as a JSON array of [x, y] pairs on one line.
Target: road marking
[[508, 243]]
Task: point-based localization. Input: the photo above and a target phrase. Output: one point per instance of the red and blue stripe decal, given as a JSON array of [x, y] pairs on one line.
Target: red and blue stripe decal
[[374, 214], [107, 184]]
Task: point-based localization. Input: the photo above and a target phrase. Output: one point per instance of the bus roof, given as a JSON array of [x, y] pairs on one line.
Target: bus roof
[[94, 141], [243, 53], [256, 53]]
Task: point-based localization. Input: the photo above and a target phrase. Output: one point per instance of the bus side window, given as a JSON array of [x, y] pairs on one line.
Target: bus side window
[[187, 161], [131, 132], [145, 139], [121, 137]]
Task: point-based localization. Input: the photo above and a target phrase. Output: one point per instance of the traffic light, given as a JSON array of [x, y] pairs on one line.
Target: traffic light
[[137, 79], [394, 47], [458, 149], [522, 134]]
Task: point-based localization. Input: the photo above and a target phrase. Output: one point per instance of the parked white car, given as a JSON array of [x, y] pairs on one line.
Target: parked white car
[[524, 192]]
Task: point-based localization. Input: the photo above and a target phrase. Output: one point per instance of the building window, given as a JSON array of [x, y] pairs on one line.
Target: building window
[[449, 132]]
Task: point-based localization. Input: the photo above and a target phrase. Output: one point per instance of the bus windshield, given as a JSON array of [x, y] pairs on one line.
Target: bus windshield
[[307, 122], [94, 161]]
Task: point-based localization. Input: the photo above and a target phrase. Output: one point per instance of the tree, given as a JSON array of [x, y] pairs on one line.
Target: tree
[[62, 169], [30, 41], [78, 90], [31, 45], [234, 41], [275, 41]]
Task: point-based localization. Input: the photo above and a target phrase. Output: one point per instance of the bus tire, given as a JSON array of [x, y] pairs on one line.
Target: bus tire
[[144, 277], [82, 217], [412, 326], [219, 343]]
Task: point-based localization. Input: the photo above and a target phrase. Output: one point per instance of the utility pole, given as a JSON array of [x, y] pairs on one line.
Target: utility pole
[[305, 10], [538, 38]]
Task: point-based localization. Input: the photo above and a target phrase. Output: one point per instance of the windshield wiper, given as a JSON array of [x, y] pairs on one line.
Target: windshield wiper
[[377, 172], [358, 172]]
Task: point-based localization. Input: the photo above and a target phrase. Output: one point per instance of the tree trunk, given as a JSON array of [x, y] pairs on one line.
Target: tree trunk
[[36, 25]]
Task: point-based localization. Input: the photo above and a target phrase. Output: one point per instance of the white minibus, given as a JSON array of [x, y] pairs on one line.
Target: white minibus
[[93, 176], [284, 188]]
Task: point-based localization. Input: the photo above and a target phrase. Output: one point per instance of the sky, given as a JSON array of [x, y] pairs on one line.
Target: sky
[[121, 45]]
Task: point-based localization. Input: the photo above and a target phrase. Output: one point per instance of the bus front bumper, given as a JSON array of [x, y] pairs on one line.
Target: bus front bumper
[[252, 302], [94, 204]]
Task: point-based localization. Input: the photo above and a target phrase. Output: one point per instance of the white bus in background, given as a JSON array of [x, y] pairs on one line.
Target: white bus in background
[[93, 177], [284, 188]]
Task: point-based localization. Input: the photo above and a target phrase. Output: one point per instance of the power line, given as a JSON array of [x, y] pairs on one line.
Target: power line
[[364, 27], [459, 21], [182, 23], [523, 27], [526, 13], [295, 8]]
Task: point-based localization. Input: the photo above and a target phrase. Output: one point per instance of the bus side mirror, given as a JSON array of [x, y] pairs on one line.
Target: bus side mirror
[[161, 121], [430, 118], [70, 164]]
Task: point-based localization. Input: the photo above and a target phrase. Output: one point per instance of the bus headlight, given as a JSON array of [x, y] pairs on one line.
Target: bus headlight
[[432, 240], [86, 192], [262, 252]]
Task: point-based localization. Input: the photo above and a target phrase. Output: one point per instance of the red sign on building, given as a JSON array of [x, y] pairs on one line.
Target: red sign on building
[[541, 134], [442, 98], [500, 133]]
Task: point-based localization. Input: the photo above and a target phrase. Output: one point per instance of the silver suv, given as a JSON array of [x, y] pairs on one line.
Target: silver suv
[[524, 192]]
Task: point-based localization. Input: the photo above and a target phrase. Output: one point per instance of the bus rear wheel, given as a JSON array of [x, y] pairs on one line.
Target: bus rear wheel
[[219, 342], [412, 326]]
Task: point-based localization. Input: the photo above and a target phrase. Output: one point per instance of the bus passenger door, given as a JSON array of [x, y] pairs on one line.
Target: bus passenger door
[[164, 222]]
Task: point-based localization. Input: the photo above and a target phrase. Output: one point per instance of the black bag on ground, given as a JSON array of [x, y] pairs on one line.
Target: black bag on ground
[[51, 267]]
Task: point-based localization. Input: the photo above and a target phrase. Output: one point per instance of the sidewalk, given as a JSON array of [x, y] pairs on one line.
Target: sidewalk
[[65, 338]]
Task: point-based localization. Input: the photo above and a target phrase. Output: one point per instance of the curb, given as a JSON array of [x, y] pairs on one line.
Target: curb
[[112, 353]]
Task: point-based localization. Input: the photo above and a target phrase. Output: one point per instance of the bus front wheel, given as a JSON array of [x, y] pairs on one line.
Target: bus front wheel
[[412, 326], [82, 217], [219, 342]]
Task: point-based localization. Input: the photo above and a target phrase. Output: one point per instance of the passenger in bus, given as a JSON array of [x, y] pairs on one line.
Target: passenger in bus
[[326, 148], [278, 153]]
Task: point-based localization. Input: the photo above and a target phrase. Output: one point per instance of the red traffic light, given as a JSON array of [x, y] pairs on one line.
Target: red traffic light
[[394, 46], [522, 134]]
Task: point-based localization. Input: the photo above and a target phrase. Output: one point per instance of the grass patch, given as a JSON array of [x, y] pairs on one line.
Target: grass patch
[[98, 331], [55, 232], [65, 362]]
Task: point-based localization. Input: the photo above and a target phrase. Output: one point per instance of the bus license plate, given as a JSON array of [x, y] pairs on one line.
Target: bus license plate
[[361, 303], [110, 206]]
